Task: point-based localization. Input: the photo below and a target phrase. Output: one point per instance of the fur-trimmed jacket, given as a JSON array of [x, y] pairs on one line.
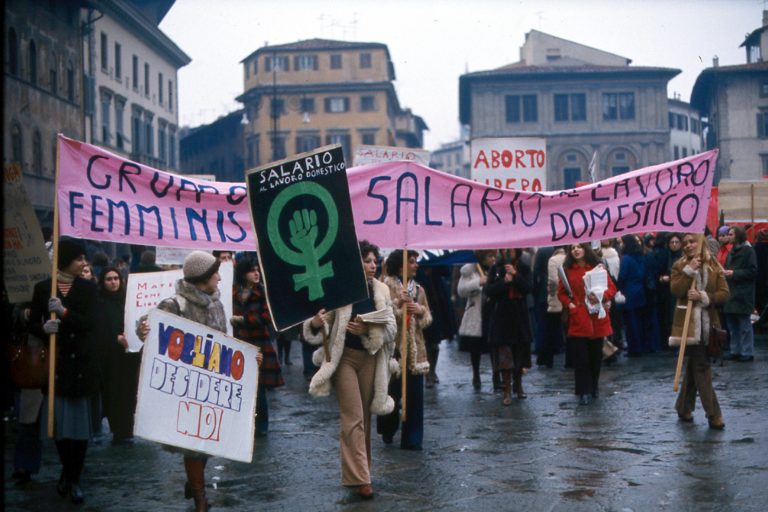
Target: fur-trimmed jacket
[[378, 342], [710, 282], [418, 364]]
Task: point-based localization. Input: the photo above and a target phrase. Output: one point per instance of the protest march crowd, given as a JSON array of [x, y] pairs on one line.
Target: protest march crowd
[[594, 302]]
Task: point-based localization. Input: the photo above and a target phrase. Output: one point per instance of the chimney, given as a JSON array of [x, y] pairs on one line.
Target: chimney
[[765, 18], [715, 61]]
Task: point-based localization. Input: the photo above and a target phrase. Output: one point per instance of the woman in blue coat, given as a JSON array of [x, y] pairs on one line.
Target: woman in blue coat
[[631, 283]]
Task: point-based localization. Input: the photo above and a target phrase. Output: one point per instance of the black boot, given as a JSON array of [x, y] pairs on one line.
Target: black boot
[[518, 384]]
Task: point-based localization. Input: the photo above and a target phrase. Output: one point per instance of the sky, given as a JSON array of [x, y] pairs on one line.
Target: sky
[[432, 43]]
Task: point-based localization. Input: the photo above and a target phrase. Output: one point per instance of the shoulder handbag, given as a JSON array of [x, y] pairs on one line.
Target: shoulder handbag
[[29, 363], [608, 348], [718, 341]]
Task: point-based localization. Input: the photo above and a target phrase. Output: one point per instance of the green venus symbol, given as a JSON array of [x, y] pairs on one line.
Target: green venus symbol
[[303, 236]]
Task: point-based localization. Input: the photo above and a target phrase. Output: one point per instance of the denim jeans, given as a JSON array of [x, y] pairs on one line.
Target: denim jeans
[[742, 336]]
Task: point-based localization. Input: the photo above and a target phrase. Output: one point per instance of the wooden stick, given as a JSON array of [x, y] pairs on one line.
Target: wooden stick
[[54, 286], [681, 354], [686, 323], [480, 269], [404, 341]]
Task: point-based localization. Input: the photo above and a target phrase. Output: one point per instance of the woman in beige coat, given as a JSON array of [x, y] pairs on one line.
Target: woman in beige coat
[[710, 290]]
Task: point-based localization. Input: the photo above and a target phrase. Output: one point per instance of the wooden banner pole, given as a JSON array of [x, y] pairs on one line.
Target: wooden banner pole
[[404, 341], [54, 286]]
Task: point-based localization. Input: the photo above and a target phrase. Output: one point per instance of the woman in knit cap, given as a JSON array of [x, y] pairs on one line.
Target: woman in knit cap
[[76, 375], [197, 299]]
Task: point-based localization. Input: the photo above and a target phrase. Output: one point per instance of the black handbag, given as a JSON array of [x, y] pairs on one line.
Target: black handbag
[[718, 341]]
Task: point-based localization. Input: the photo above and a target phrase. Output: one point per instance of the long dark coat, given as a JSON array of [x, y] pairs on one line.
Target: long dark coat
[[508, 319], [743, 261], [76, 371]]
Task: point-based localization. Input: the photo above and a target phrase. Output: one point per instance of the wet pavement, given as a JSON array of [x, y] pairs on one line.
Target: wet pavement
[[625, 452]]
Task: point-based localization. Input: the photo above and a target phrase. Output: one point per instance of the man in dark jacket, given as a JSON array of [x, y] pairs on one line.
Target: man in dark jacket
[[740, 273]]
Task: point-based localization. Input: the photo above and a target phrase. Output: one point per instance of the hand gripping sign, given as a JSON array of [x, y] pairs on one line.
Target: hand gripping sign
[[197, 388]]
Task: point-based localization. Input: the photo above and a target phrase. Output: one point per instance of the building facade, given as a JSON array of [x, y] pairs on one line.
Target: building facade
[[215, 148], [581, 100], [734, 101], [452, 157], [43, 91], [131, 84], [685, 130], [307, 94]]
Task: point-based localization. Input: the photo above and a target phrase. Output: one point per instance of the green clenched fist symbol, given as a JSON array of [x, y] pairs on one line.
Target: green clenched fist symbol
[[303, 237], [303, 228]]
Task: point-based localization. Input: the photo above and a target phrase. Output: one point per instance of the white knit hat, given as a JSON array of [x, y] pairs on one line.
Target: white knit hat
[[199, 265]]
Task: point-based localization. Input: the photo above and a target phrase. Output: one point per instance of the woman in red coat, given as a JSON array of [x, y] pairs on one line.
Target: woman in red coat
[[585, 330]]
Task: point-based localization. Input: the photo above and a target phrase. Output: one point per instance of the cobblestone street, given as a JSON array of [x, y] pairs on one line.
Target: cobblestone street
[[625, 452]]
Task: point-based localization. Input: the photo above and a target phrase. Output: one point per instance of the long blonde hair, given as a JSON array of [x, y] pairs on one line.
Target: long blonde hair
[[706, 255]]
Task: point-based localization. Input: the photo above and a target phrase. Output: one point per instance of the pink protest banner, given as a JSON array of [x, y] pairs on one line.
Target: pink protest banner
[[396, 204], [103, 196], [402, 204]]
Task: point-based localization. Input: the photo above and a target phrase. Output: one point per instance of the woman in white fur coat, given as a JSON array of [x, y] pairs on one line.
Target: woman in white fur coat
[[357, 365]]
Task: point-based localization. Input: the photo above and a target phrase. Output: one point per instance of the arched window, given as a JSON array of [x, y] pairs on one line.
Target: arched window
[[620, 160], [13, 52], [33, 62], [37, 153], [16, 144], [573, 167]]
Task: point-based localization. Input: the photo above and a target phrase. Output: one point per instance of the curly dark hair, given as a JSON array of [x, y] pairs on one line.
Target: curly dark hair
[[395, 261], [366, 247]]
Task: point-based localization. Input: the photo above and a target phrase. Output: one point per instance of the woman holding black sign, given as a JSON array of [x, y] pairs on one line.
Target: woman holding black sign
[[355, 360]]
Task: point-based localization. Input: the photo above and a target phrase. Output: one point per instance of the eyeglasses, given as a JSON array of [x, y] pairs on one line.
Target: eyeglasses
[[689, 242]]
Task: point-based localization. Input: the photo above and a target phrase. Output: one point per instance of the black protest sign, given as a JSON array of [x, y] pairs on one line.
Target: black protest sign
[[302, 215]]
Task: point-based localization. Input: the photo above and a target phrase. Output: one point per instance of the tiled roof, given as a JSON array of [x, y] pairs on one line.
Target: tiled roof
[[569, 66], [318, 45]]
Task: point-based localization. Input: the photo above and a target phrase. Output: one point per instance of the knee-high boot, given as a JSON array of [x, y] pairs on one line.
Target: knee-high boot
[[195, 469], [517, 386]]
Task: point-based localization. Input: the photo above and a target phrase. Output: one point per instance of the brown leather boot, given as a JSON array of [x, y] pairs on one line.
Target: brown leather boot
[[507, 400], [195, 469]]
